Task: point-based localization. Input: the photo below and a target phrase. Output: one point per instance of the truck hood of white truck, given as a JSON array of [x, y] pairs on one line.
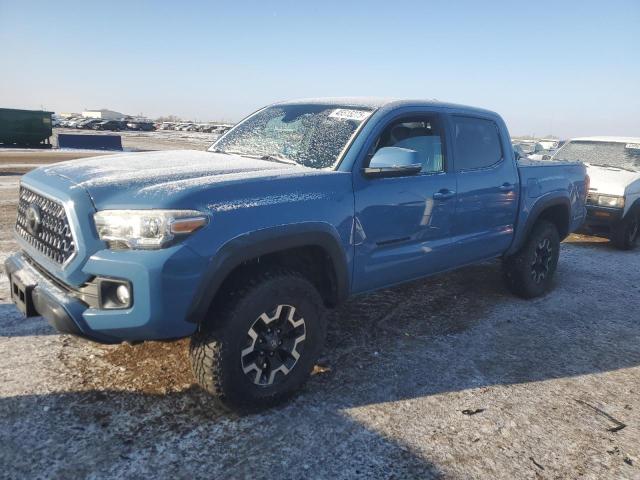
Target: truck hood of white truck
[[613, 181], [157, 178]]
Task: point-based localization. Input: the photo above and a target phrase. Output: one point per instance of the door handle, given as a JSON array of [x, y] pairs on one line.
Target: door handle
[[507, 187], [444, 194]]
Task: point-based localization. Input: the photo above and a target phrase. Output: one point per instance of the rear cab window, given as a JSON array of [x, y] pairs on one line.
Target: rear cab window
[[476, 143]]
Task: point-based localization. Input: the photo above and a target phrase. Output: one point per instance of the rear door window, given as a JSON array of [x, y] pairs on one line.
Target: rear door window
[[476, 142]]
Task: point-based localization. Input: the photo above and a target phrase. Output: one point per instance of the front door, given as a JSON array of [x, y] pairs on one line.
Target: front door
[[402, 224]]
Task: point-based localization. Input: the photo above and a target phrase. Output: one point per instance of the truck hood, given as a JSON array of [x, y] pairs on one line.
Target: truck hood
[[611, 181], [162, 178]]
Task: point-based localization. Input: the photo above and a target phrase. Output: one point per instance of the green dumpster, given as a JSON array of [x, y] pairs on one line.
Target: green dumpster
[[25, 128]]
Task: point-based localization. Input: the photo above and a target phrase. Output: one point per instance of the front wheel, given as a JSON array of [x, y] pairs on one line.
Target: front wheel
[[529, 272], [625, 235], [260, 349]]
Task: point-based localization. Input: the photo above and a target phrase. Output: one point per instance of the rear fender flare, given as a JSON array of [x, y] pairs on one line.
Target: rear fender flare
[[542, 204]]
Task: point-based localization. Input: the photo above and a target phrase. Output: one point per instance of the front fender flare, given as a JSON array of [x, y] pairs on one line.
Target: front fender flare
[[254, 244]]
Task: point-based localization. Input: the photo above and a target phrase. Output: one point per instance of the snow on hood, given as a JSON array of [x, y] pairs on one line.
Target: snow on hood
[[611, 181], [163, 173], [152, 168]]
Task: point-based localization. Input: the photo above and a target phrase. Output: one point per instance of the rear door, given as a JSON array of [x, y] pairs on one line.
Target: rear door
[[488, 188]]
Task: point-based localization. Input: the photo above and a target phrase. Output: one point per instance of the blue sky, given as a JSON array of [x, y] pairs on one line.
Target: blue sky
[[563, 67]]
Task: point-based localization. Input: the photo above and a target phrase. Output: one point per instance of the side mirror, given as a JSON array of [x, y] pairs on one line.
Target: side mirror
[[517, 154], [393, 162]]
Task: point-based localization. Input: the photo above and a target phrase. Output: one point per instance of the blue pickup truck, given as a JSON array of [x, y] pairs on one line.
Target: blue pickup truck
[[299, 206]]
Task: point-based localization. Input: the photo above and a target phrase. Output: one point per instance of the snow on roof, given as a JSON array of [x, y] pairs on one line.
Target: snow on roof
[[607, 139], [377, 102], [374, 102]]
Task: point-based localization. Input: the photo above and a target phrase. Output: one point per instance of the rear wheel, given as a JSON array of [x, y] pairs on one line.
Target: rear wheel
[[626, 234], [529, 273], [261, 349]]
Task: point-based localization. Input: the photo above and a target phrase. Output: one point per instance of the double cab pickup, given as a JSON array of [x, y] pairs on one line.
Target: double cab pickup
[[243, 247]]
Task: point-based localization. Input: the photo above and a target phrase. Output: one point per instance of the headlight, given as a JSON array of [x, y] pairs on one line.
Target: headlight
[[610, 201], [146, 229]]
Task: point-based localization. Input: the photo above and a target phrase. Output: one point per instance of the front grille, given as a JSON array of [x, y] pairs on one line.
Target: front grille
[[43, 223]]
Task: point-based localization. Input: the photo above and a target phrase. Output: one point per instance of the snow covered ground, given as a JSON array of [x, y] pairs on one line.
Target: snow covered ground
[[21, 160], [451, 376], [157, 140]]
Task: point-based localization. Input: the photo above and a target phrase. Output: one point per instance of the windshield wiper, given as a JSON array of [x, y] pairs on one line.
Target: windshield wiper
[[230, 152], [278, 158], [271, 158]]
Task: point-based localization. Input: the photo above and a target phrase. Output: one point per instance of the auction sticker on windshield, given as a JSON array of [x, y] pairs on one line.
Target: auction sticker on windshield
[[349, 114]]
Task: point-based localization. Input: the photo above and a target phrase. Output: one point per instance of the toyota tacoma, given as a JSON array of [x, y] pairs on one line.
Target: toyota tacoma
[[243, 247]]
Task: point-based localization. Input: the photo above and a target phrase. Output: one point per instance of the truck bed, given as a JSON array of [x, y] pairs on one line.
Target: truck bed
[[550, 182]]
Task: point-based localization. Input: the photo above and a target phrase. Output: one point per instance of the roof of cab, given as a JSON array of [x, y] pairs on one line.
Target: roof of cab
[[382, 102], [607, 139]]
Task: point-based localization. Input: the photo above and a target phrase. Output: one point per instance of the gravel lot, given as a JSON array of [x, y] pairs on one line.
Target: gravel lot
[[448, 377]]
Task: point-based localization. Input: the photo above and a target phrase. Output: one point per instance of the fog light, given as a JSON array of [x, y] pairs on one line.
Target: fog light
[[114, 294], [123, 295]]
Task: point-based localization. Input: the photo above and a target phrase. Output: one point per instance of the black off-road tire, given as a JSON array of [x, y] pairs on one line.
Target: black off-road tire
[[626, 234], [529, 273], [217, 350]]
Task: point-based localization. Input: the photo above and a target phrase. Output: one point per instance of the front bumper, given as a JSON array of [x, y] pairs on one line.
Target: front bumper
[[600, 219], [164, 284], [60, 307]]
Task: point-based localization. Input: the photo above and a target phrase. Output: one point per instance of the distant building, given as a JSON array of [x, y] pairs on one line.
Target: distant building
[[103, 114]]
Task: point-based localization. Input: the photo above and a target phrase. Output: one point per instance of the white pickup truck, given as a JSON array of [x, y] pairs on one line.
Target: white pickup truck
[[613, 204]]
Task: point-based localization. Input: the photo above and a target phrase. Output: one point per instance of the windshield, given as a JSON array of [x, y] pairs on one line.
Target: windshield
[[310, 135], [608, 154]]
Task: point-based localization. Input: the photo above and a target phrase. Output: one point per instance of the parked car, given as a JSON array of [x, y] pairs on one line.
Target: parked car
[[548, 144], [87, 124], [70, 122], [518, 151], [141, 126], [531, 149], [112, 125], [297, 208], [528, 147], [208, 128], [613, 205]]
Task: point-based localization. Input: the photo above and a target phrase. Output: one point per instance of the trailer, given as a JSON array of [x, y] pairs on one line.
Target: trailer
[[25, 128]]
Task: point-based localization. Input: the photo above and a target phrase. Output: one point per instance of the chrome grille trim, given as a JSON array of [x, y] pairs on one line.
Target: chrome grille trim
[[54, 239]]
